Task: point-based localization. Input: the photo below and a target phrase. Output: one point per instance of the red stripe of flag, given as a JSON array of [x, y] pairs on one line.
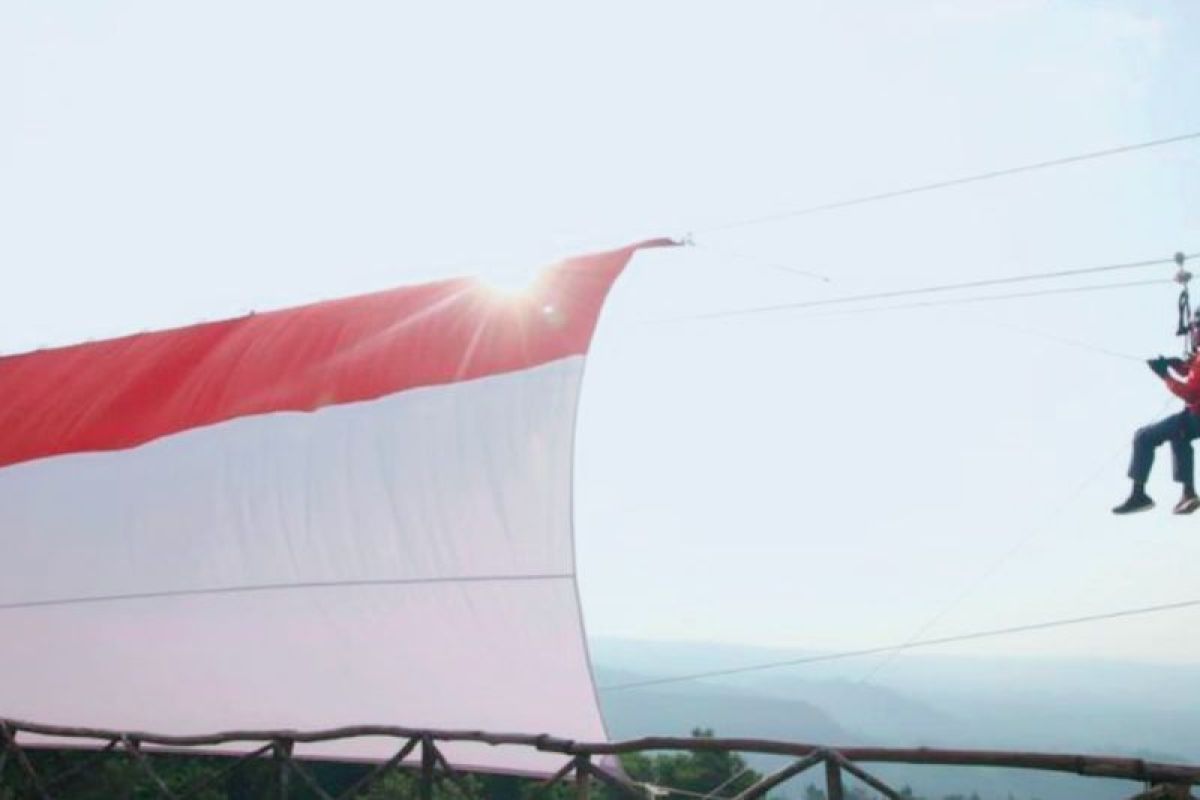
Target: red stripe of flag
[[123, 392]]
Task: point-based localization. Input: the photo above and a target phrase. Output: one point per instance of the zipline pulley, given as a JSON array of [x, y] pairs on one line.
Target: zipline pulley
[[1186, 321]]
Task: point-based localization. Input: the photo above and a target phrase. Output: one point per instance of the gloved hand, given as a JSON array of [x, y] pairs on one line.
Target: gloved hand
[[1158, 366], [1177, 364]]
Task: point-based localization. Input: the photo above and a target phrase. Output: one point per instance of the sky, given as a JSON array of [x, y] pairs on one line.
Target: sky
[[799, 479]]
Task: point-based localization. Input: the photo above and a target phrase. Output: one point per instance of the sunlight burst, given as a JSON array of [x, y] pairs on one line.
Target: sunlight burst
[[513, 281]]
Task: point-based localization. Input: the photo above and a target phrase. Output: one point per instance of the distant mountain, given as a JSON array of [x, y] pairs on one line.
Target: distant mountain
[[1140, 710], [674, 711]]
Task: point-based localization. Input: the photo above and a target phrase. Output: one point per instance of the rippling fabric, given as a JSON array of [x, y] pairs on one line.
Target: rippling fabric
[[352, 512]]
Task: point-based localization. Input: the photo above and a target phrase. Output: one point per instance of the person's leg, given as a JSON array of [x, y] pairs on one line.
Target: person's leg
[[1145, 442], [1184, 462]]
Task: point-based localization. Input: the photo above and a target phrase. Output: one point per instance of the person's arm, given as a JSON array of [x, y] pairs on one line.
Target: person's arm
[[1187, 389]]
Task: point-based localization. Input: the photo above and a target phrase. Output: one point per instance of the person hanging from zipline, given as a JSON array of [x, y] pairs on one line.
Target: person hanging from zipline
[[1178, 429]]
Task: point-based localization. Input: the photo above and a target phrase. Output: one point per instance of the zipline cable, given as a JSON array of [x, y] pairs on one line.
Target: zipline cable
[[937, 288], [987, 298], [914, 640], [1022, 329], [975, 299], [594, 242], [869, 651], [952, 182]]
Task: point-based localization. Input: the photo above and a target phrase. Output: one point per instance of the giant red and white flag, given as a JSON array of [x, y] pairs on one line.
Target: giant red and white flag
[[357, 511]]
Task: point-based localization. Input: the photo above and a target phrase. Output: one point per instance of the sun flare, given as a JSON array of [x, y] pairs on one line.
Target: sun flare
[[513, 282]]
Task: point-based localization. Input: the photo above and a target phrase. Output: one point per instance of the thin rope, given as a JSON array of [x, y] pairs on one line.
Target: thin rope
[[868, 651], [709, 795], [1058, 338], [278, 587], [775, 265], [1003, 559], [658, 788], [952, 182], [727, 782]]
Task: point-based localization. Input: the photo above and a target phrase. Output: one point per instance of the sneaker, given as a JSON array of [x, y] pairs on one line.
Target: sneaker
[[1135, 503], [1187, 504]]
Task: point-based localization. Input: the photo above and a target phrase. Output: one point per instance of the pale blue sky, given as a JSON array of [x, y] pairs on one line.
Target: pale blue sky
[[780, 479]]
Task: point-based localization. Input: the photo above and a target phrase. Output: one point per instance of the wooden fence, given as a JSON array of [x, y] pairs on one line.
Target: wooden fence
[[417, 748]]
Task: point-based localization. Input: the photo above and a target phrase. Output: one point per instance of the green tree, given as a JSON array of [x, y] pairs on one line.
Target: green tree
[[406, 786], [703, 771], [114, 776]]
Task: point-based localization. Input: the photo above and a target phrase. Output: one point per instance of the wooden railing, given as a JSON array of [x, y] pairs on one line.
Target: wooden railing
[[1162, 780]]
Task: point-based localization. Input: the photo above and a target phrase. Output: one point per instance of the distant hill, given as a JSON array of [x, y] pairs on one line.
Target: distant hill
[[1141, 710], [675, 710]]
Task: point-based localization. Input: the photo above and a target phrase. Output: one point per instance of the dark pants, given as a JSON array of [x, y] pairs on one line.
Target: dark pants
[[1178, 429]]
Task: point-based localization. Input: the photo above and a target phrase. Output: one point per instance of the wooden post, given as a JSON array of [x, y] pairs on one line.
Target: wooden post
[[368, 780], [546, 785], [299, 770], [583, 775], [283, 774], [833, 779], [768, 783], [134, 748], [866, 777], [9, 738], [621, 786], [1166, 791], [205, 780], [428, 762]]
